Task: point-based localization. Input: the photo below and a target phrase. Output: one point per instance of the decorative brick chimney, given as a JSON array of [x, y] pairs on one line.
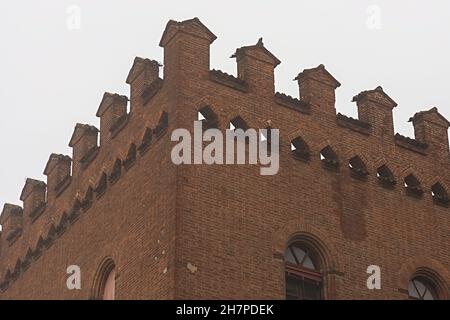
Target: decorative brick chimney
[[431, 128], [34, 197], [256, 66], [58, 175], [83, 142], [375, 107], [317, 87], [112, 108], [11, 220], [142, 76], [186, 49]]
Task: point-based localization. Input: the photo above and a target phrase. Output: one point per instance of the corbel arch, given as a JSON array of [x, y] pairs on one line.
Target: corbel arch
[[410, 171], [352, 152], [305, 136]]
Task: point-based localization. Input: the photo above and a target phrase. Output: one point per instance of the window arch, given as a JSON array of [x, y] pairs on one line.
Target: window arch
[[208, 117], [329, 158], [302, 272], [238, 123], [440, 195], [358, 168], [413, 186], [386, 177], [105, 281], [109, 286], [422, 288], [300, 149]]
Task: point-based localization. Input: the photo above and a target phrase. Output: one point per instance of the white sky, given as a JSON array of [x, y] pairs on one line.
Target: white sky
[[52, 77]]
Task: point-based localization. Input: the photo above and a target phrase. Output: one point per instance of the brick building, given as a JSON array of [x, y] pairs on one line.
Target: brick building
[[350, 193]]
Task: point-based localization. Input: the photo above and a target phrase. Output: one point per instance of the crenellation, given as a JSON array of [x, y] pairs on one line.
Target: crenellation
[[291, 102], [186, 43], [411, 144], [228, 80], [317, 87], [34, 197], [11, 220], [142, 75], [431, 127], [255, 66], [84, 139], [375, 107], [353, 124], [58, 174], [112, 112]]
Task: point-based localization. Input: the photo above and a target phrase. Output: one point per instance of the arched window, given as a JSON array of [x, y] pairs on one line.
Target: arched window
[[207, 116], [300, 149], [238, 123], [303, 276], [440, 195], [105, 281], [329, 158], [386, 177], [413, 186], [109, 286], [421, 288], [358, 168]]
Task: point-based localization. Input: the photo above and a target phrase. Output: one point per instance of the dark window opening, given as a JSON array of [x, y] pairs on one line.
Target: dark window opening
[[101, 186], [88, 199], [238, 123], [421, 288], [413, 187], [208, 118], [303, 277], [358, 168], [440, 195], [163, 124], [300, 149], [116, 171], [329, 158], [146, 140], [386, 177], [131, 157]]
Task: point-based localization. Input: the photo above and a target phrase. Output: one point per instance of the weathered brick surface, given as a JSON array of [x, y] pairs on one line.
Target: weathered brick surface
[[228, 223]]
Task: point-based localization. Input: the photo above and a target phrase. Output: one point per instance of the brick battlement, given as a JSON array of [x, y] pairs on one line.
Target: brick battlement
[[139, 141]]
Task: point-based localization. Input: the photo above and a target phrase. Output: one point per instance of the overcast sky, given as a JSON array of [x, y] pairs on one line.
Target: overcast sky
[[53, 71]]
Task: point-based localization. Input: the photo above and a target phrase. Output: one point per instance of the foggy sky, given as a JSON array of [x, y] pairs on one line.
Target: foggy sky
[[52, 77]]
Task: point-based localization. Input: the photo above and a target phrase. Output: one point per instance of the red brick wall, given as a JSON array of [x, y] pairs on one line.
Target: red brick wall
[[221, 230]]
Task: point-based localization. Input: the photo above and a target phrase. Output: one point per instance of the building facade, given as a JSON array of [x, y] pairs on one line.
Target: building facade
[[350, 194]]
